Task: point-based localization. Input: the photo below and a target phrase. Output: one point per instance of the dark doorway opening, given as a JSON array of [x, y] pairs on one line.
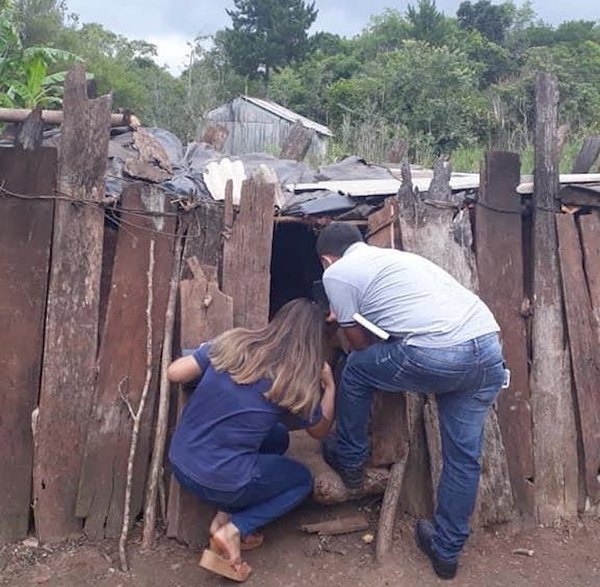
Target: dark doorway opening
[[294, 263]]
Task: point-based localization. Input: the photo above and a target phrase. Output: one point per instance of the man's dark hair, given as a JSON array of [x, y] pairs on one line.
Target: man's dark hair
[[336, 238]]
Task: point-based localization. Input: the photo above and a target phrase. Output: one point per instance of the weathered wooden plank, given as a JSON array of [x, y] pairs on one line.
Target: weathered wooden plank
[[432, 227], [297, 142], [588, 155], [389, 435], [186, 515], [590, 240], [25, 237], [583, 340], [247, 254], [205, 313], [122, 365], [499, 252], [345, 525], [71, 333], [554, 433]]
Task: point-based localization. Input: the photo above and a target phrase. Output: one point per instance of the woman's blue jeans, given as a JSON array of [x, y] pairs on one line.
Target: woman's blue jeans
[[465, 379], [278, 486]]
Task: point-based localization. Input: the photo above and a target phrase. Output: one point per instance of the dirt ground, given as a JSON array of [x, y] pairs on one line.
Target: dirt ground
[[566, 556]]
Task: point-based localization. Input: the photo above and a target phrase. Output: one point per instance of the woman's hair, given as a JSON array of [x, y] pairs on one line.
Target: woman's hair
[[289, 351]]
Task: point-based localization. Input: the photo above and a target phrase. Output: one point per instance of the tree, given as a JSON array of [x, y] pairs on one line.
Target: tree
[[491, 20], [427, 23], [267, 35]]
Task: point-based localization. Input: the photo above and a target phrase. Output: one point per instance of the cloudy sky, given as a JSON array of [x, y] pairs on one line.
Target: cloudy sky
[[171, 25]]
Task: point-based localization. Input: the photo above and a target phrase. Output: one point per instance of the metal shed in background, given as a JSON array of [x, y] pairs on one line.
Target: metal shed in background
[[257, 125]]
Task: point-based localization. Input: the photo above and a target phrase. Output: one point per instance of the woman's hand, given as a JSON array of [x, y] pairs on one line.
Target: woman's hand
[[321, 429], [327, 380]]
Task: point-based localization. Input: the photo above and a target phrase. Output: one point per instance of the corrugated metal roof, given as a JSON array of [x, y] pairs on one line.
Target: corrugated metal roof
[[458, 182], [382, 187], [287, 114]]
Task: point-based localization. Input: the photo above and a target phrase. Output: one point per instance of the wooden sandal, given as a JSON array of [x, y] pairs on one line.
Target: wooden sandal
[[211, 561]]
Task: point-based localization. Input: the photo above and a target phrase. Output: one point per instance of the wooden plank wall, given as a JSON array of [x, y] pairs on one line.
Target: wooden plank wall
[[205, 313], [432, 228], [122, 363], [186, 515], [71, 334], [25, 238], [583, 341], [499, 252]]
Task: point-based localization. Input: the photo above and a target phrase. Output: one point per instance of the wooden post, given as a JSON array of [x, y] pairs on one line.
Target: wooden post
[[122, 365], [247, 254], [554, 434], [583, 341], [499, 251], [72, 312], [25, 239]]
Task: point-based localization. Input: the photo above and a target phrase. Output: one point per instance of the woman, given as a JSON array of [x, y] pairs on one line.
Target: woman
[[229, 443]]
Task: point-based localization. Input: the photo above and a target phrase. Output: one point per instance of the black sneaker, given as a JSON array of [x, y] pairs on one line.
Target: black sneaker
[[351, 477], [424, 533]]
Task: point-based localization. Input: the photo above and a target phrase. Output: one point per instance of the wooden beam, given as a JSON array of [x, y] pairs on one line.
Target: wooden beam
[[25, 239], [554, 433], [584, 344], [17, 115], [72, 312], [499, 252]]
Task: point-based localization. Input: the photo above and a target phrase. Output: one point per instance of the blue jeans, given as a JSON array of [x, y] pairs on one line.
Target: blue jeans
[[465, 379], [279, 484]]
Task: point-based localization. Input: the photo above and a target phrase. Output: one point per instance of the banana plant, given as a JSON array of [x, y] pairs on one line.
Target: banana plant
[[25, 77]]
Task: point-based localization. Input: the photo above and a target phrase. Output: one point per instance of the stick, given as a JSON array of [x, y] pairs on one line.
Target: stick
[[387, 517], [137, 416], [162, 422]]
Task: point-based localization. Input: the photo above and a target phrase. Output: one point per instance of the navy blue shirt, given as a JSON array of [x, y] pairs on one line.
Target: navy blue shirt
[[222, 427]]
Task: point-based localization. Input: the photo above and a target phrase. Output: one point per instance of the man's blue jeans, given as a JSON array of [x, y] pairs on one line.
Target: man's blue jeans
[[465, 379], [278, 486]]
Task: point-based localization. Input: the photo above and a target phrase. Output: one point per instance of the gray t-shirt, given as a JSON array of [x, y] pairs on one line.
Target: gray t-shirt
[[406, 295]]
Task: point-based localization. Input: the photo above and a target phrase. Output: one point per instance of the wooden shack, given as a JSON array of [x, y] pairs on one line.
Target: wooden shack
[[97, 295], [255, 125]]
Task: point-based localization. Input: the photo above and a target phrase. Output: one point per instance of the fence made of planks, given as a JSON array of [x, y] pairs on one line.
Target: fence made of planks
[[87, 303]]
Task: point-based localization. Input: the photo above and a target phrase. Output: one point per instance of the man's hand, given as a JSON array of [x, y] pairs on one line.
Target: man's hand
[[358, 337]]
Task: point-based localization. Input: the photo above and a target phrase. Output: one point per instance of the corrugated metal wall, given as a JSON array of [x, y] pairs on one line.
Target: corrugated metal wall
[[254, 130]]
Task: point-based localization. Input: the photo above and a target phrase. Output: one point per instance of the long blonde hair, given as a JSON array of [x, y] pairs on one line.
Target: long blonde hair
[[289, 351]]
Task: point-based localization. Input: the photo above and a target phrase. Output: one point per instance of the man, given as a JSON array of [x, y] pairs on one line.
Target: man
[[443, 340]]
